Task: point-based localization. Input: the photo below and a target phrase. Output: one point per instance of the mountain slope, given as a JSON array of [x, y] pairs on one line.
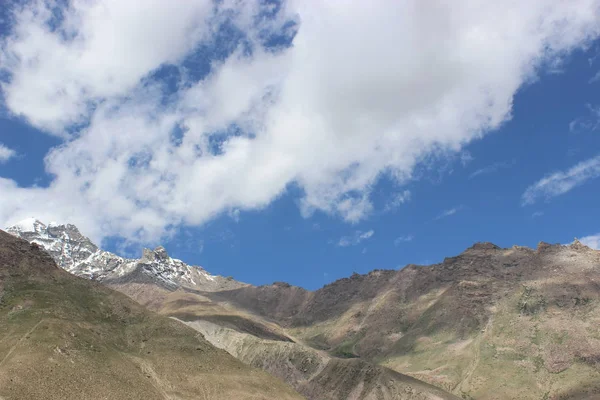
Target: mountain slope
[[490, 323], [316, 374], [186, 299], [63, 337], [265, 345]]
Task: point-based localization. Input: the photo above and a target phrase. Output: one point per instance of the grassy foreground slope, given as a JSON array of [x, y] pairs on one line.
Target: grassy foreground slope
[[64, 337]]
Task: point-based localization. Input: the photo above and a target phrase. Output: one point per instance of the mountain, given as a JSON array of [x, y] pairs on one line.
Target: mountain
[[314, 373], [489, 323], [64, 337], [161, 283], [77, 254]]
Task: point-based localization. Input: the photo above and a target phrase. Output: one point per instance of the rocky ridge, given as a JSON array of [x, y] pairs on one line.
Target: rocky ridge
[[76, 254]]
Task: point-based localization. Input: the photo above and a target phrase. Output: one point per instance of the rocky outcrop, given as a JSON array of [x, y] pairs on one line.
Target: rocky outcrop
[[77, 254]]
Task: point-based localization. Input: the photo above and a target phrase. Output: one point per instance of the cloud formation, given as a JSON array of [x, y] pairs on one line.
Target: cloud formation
[[562, 182], [403, 239], [589, 123], [364, 90], [356, 238], [492, 168], [397, 200], [6, 153], [592, 241], [448, 212], [465, 158]]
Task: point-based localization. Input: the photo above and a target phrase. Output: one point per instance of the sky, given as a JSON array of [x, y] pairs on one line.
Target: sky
[[302, 141]]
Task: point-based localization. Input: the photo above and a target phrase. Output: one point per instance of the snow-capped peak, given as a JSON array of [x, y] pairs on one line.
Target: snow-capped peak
[[77, 254], [28, 225], [65, 243], [159, 253]]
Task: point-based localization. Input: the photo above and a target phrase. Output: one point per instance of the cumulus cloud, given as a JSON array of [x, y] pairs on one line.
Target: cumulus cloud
[[364, 90], [6, 153], [492, 168], [563, 181], [99, 50], [355, 239], [592, 241]]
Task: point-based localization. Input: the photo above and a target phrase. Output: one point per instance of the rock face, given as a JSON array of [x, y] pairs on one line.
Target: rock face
[[75, 253]]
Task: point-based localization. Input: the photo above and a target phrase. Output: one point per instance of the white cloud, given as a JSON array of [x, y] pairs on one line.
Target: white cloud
[[492, 168], [588, 123], [398, 199], [537, 214], [365, 90], [592, 241], [6, 153], [448, 212], [356, 238], [403, 239], [100, 51], [563, 181], [235, 215], [466, 158]]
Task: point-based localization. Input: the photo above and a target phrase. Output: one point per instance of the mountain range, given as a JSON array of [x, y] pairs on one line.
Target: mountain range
[[63, 337], [490, 323]]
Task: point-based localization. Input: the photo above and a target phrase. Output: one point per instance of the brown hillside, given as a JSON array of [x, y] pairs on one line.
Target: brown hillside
[[490, 323], [64, 337]]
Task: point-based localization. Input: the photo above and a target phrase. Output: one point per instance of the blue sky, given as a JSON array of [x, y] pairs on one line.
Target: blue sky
[[284, 142]]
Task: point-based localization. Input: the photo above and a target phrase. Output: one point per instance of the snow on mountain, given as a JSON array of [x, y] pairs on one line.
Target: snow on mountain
[[28, 225], [77, 254]]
